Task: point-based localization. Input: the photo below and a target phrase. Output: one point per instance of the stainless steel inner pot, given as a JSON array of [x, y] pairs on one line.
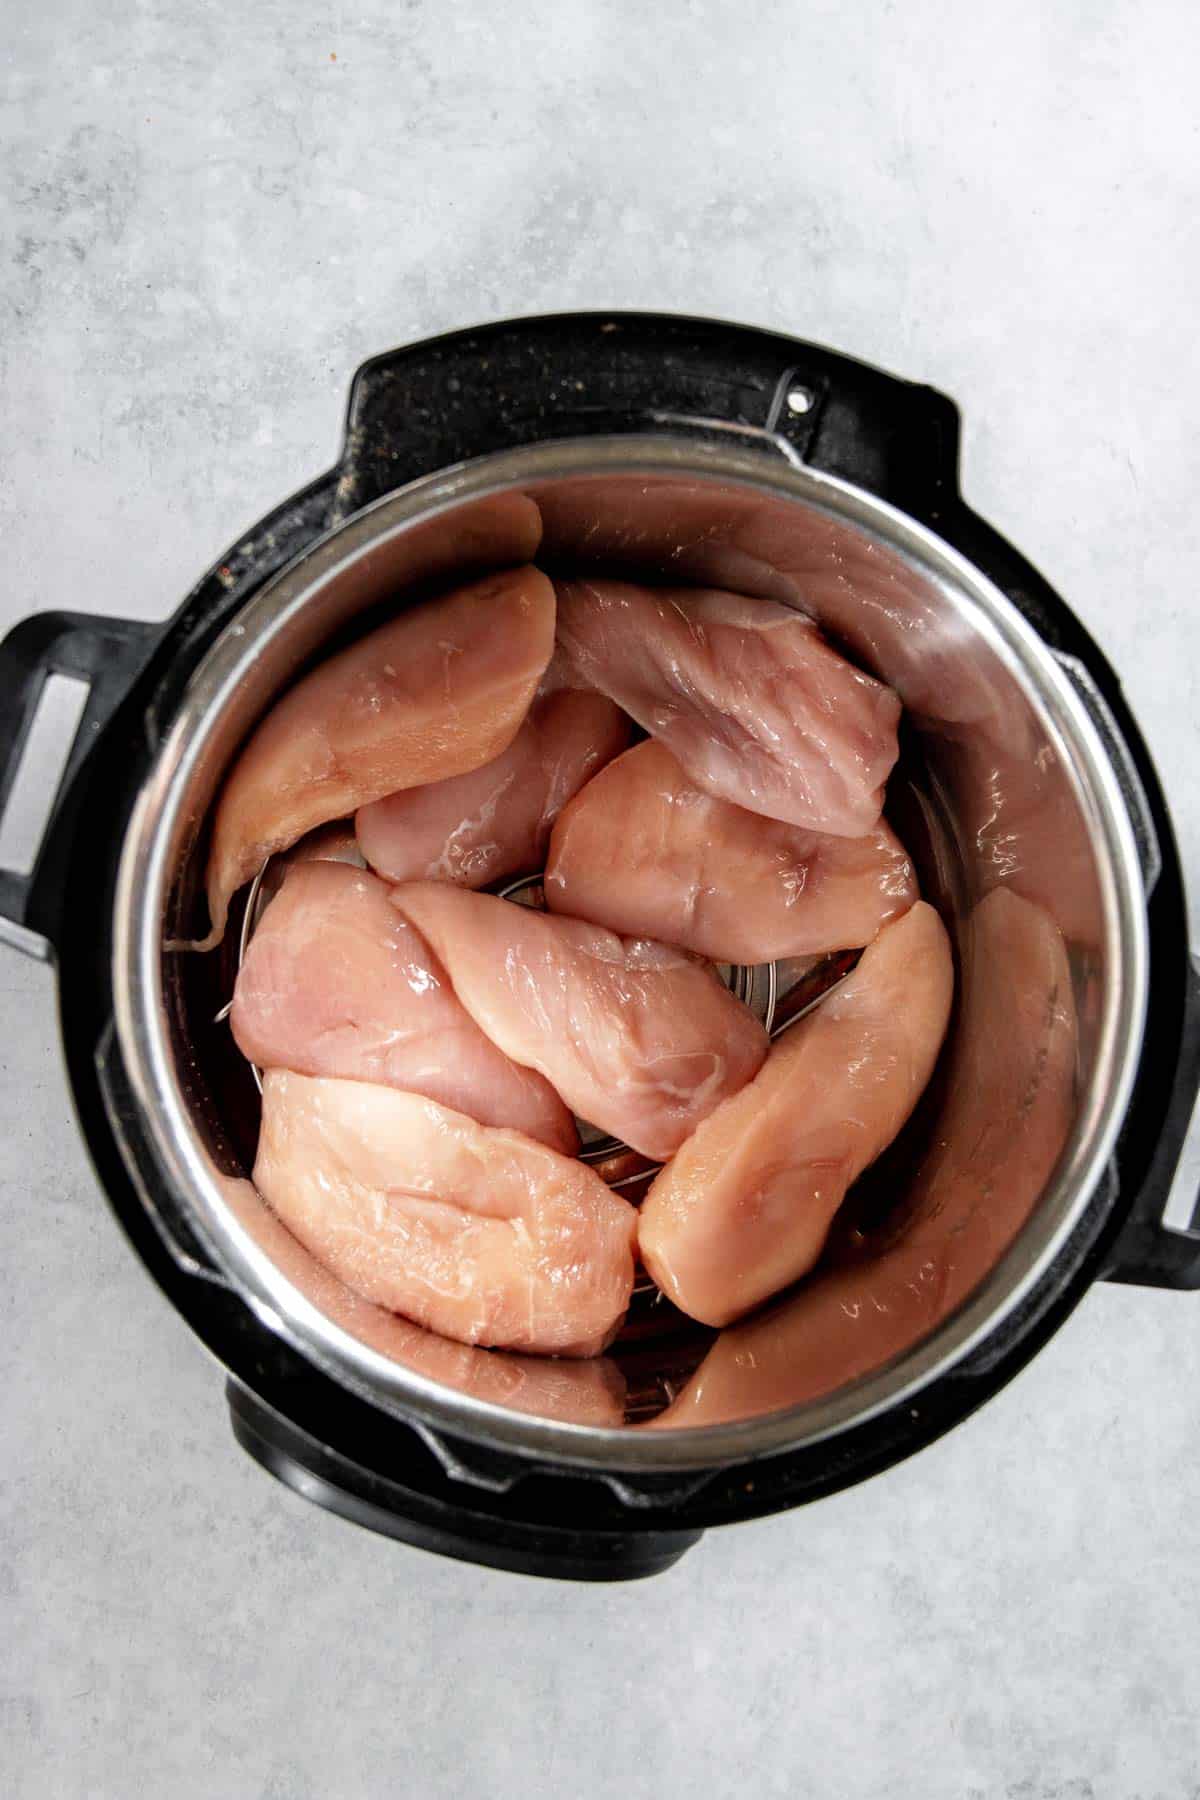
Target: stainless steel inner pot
[[1003, 781]]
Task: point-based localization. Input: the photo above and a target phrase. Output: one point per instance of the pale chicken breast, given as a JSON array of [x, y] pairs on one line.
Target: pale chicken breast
[[579, 1392], [639, 1039], [336, 982], [437, 691], [477, 828], [479, 1234], [644, 851], [745, 1206], [1010, 1104], [746, 694]]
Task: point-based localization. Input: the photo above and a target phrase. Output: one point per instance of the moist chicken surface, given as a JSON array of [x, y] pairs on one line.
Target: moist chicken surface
[[640, 1039], [495, 821], [434, 693], [647, 853], [744, 1207], [480, 1234], [1010, 1104], [337, 982], [746, 694]]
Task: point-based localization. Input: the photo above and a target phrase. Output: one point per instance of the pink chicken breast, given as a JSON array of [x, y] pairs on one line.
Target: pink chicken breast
[[746, 694], [1010, 1103], [723, 536], [1010, 1098], [745, 1206], [495, 821], [436, 692], [638, 1038], [336, 982], [479, 1234], [579, 1392], [644, 851]]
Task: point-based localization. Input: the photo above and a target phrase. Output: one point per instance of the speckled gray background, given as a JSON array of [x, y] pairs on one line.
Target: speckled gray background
[[207, 222]]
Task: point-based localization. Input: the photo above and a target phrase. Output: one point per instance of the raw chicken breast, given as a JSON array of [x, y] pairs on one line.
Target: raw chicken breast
[[1010, 1097], [479, 1234], [1009, 1108], [336, 982], [587, 1392], [838, 1326], [438, 691], [639, 1039], [475, 829], [745, 1206], [718, 535], [745, 693], [646, 853]]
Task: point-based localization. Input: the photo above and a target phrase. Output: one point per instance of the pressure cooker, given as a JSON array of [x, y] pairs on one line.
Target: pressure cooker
[[678, 449]]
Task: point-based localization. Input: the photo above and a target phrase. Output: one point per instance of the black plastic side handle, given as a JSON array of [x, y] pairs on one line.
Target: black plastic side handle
[[1150, 1252], [459, 1529], [524, 381], [106, 655]]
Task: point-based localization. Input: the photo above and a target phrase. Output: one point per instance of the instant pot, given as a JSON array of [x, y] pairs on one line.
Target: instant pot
[[675, 449]]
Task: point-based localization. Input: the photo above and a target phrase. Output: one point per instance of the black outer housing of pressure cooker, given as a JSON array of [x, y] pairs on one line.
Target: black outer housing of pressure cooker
[[414, 411]]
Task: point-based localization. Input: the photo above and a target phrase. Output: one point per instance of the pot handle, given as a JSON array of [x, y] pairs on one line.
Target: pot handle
[[102, 656], [1159, 1245]]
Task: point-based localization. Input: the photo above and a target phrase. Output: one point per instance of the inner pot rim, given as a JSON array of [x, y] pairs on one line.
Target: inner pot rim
[[145, 876]]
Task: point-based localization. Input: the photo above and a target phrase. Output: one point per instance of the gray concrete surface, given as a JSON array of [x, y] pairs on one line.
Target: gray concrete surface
[[207, 221]]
